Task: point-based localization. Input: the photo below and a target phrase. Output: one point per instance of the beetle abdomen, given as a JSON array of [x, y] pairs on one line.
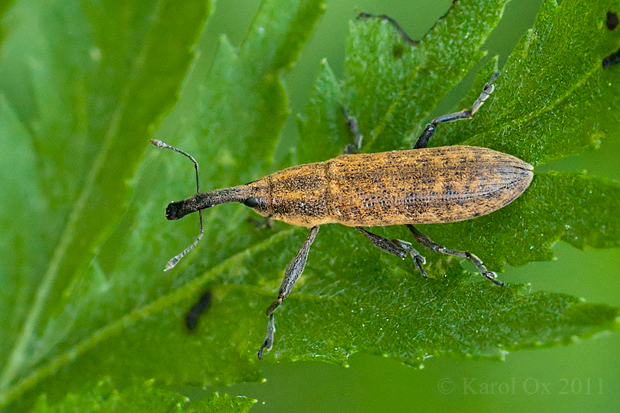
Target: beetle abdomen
[[421, 186]]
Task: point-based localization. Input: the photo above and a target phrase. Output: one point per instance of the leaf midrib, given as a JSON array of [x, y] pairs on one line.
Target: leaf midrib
[[18, 356]]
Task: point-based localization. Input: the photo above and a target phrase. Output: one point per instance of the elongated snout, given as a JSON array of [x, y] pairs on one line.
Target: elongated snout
[[178, 209]]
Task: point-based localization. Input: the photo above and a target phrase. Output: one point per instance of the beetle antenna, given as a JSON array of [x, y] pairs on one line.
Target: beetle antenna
[[175, 260]]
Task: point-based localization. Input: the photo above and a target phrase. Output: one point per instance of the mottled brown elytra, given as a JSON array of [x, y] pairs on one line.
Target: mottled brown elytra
[[418, 186]]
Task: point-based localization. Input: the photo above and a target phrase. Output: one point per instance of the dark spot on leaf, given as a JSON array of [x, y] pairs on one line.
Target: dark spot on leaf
[[397, 51], [612, 20], [424, 72], [192, 315], [612, 59]]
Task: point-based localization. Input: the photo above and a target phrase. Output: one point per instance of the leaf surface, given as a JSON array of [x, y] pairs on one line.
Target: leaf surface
[[86, 290]]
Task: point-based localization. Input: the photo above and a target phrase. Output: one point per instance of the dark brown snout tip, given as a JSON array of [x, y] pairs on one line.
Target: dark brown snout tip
[[175, 210]]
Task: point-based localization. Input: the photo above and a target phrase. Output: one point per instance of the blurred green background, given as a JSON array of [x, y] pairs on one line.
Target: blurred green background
[[579, 377]]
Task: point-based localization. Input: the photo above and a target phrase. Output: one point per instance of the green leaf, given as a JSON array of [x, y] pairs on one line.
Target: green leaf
[[106, 82], [392, 86], [105, 397], [91, 81], [88, 299], [222, 403], [554, 99], [322, 127], [142, 397]]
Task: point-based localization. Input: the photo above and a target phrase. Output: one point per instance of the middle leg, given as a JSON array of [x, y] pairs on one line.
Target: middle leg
[[292, 273], [395, 247]]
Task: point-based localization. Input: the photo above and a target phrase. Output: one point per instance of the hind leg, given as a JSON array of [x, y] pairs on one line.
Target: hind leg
[[432, 245]]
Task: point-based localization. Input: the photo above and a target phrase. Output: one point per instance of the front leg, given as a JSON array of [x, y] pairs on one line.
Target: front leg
[[292, 273], [429, 131]]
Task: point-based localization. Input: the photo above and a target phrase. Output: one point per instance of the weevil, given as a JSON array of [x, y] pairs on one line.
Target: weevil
[[417, 186]]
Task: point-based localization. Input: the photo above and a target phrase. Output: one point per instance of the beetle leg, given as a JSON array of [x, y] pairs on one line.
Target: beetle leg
[[358, 137], [395, 247], [384, 244], [429, 131], [292, 273], [430, 244], [418, 259], [399, 29]]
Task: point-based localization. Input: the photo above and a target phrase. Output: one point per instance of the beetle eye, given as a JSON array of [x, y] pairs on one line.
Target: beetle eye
[[251, 202]]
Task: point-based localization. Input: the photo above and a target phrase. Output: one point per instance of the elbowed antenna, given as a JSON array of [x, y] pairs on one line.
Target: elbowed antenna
[[175, 260]]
